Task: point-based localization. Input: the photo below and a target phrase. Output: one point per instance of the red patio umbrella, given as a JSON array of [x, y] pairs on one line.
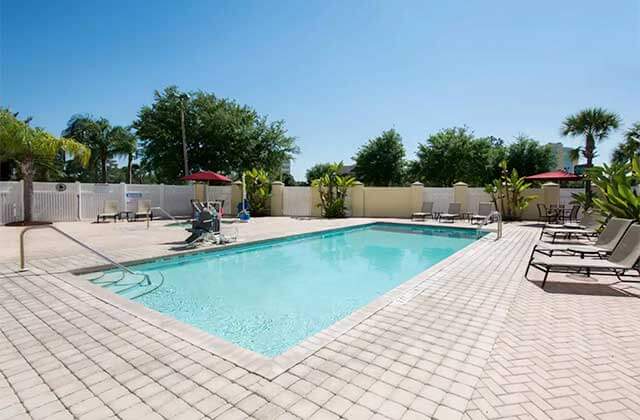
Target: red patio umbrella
[[554, 176], [207, 176]]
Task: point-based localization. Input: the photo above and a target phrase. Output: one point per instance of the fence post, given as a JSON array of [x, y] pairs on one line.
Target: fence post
[[162, 196], [79, 194], [277, 198], [460, 193], [123, 188], [22, 201], [551, 194], [236, 196], [417, 196], [357, 199]]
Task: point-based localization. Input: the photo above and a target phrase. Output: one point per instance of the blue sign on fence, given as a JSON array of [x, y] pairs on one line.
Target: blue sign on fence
[[134, 195]]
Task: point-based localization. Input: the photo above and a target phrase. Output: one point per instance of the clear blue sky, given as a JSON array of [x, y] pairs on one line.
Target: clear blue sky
[[338, 72]]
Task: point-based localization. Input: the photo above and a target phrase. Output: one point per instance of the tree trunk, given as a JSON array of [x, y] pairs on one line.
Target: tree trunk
[[103, 161], [129, 168], [28, 171], [588, 153]]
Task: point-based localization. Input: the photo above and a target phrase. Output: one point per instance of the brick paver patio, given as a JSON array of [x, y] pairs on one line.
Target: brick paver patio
[[472, 339]]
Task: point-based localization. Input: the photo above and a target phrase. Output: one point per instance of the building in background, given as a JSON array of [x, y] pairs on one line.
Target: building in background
[[563, 157]]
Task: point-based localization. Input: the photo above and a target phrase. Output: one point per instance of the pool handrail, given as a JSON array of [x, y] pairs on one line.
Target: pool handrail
[[78, 242]]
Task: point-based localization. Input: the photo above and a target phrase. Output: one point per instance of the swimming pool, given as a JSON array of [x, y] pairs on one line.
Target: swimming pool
[[269, 296]]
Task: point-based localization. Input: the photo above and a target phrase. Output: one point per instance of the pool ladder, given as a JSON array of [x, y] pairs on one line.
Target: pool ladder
[[145, 281], [494, 215]]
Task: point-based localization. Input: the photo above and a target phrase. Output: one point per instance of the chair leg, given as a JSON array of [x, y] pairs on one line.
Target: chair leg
[[544, 280]]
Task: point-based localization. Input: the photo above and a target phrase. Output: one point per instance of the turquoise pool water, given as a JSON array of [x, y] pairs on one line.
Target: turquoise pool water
[[270, 296]]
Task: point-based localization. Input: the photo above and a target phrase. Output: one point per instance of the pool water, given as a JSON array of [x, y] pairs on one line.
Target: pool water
[[270, 296]]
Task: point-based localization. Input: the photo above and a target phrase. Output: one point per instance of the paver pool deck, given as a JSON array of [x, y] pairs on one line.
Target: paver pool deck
[[470, 338]]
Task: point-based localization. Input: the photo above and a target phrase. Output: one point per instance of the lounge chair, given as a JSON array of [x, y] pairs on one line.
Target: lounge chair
[[625, 257], [452, 213], [144, 210], [427, 210], [604, 245], [484, 210], [109, 210]]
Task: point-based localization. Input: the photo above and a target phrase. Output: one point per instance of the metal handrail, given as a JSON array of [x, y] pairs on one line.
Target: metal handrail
[[66, 235], [166, 213], [499, 217]]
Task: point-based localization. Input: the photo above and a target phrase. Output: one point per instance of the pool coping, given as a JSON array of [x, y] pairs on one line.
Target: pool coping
[[254, 362]]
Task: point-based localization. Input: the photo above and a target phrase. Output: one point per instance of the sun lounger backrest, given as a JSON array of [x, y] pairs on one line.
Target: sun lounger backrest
[[485, 209], [427, 206], [454, 208], [627, 253], [144, 206], [111, 206], [613, 232]]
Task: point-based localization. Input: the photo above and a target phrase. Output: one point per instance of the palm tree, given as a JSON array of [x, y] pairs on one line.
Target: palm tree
[[595, 124], [104, 140], [627, 150], [32, 148], [125, 144]]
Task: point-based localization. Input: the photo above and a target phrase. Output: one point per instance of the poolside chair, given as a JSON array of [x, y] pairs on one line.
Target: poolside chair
[[109, 210], [452, 213], [144, 210], [546, 215], [484, 210], [604, 245], [427, 210], [625, 257]]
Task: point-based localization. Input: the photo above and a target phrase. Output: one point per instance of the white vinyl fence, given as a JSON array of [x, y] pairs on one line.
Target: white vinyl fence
[[297, 201], [441, 197], [57, 201], [10, 202], [475, 197]]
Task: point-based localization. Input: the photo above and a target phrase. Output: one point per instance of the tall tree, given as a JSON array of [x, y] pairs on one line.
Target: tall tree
[[595, 124], [528, 157], [33, 148], [454, 154], [380, 162], [317, 171], [221, 135], [630, 147], [104, 140]]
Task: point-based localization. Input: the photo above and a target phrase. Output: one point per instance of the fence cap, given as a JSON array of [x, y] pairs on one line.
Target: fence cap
[[357, 183], [550, 184], [237, 183], [277, 183], [417, 184], [460, 184]]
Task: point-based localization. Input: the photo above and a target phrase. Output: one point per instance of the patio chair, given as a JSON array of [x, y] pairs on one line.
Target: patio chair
[[452, 213], [604, 245], [427, 210], [568, 233], [625, 257], [109, 210], [484, 210], [546, 215], [144, 210]]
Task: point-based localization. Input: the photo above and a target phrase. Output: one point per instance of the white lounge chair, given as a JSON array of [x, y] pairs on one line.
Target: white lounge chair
[[625, 257], [427, 210], [109, 210], [610, 236], [452, 213], [144, 210], [484, 210]]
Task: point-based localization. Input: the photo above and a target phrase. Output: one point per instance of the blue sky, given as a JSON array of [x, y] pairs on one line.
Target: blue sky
[[338, 72]]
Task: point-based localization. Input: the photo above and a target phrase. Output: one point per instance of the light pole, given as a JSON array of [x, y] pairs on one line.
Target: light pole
[[183, 98]]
